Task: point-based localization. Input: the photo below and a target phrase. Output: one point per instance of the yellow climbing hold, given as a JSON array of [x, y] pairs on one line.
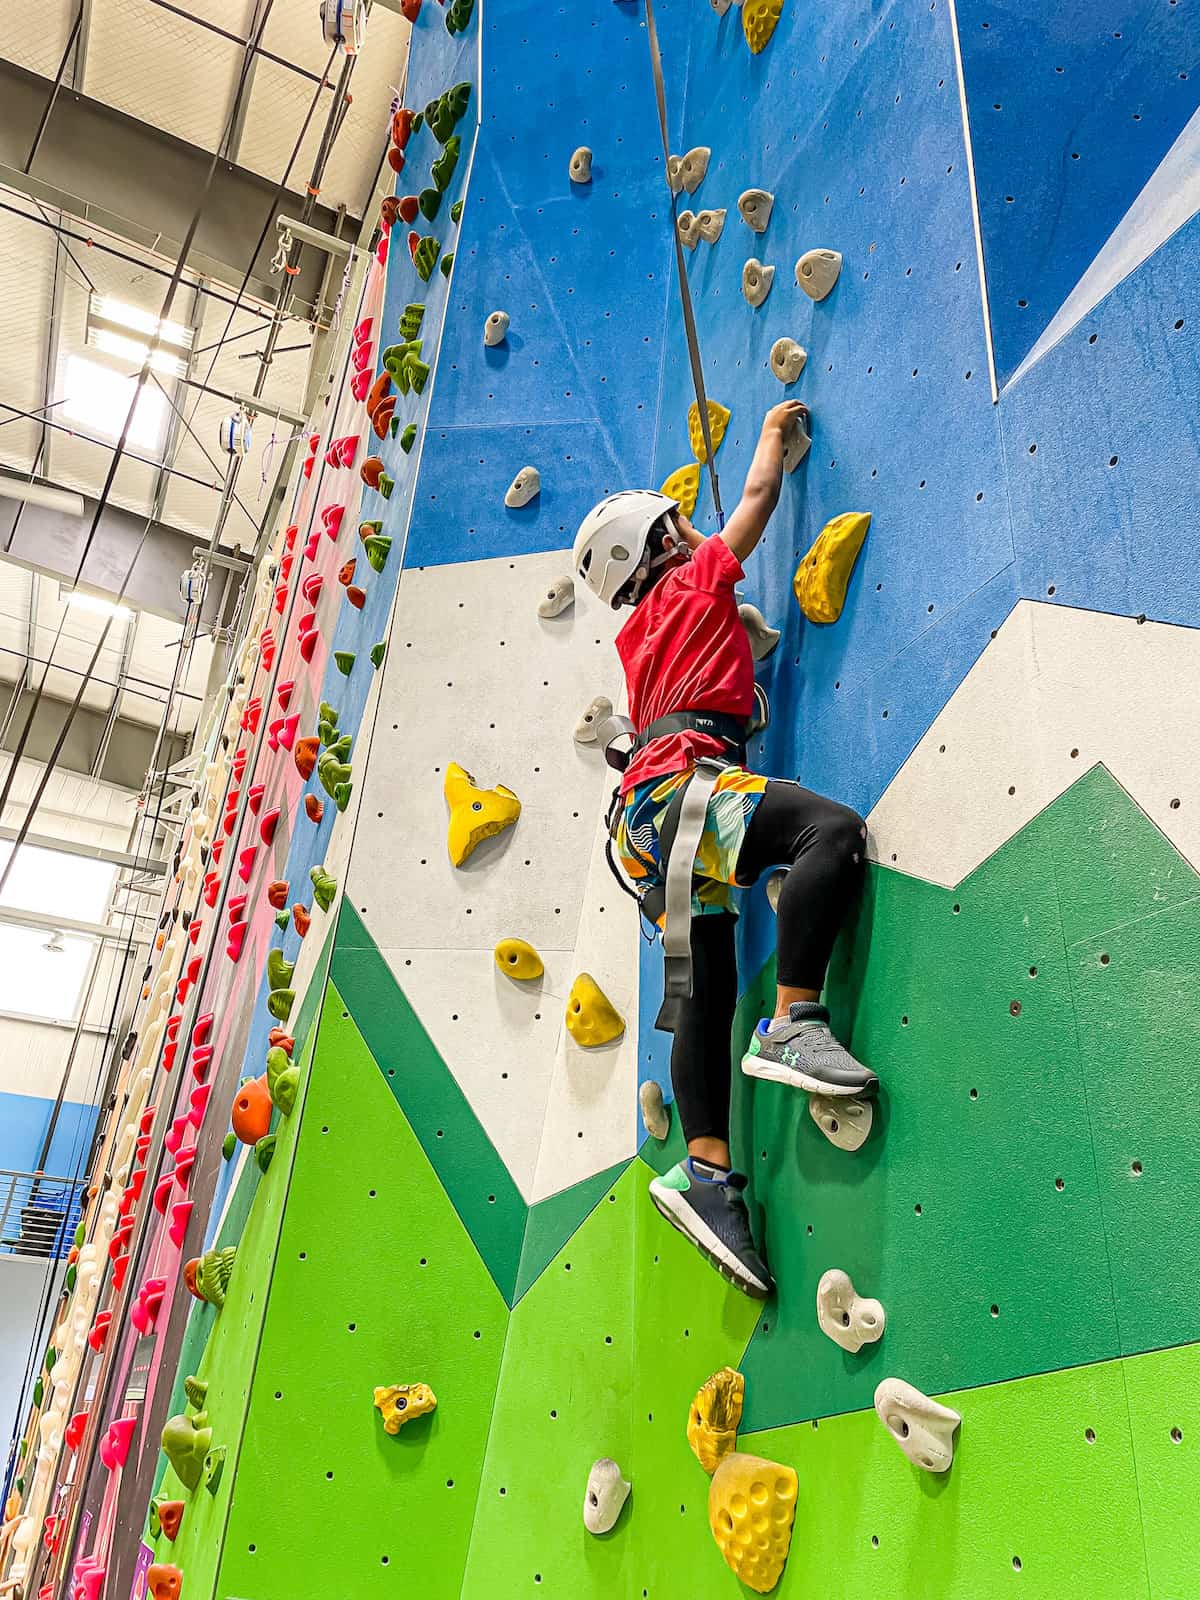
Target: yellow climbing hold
[[718, 421], [684, 485], [516, 959], [475, 814], [821, 578], [751, 1505], [759, 18], [592, 1019], [714, 1416], [401, 1402]]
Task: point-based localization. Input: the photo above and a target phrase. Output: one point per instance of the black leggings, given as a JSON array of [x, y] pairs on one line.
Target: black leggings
[[824, 846]]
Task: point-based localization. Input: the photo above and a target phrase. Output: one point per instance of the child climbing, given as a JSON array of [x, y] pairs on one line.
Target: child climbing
[[689, 674]]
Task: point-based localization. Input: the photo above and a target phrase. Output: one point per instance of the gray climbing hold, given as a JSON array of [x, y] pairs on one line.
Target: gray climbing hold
[[693, 166], [922, 1428], [754, 207], [655, 1116], [580, 168], [720, 6], [597, 713], [607, 1492], [845, 1120], [526, 486], [756, 281], [845, 1316], [796, 444], [688, 225], [763, 639], [817, 271], [495, 328], [558, 597], [787, 359], [711, 225]]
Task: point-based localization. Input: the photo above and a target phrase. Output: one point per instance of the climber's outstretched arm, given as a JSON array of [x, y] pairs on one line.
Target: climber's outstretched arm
[[761, 493]]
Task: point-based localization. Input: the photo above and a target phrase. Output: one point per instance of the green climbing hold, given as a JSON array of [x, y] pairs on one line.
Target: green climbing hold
[[408, 438], [369, 527], [212, 1274], [214, 1461], [341, 795], [80, 1235], [378, 651], [279, 970], [324, 887], [394, 426], [458, 15], [410, 321], [51, 1357], [442, 169], [21, 1452], [264, 1150], [283, 1079], [386, 485], [446, 264], [332, 772], [186, 1440], [340, 749], [327, 713], [418, 119], [196, 1390], [343, 660], [430, 202], [228, 1145], [39, 1390], [418, 373], [378, 546], [69, 1278], [280, 1003], [456, 211], [283, 919], [425, 256], [444, 113]]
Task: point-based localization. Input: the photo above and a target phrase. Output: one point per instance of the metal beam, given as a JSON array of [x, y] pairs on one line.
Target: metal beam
[[88, 852], [89, 930], [131, 744]]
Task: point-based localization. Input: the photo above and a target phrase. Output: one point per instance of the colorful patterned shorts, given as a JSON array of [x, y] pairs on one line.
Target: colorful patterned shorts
[[730, 809]]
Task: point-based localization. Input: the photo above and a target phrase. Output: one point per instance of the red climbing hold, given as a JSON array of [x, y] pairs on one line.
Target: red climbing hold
[[302, 919], [198, 1103], [277, 893], [246, 862], [346, 571], [356, 596], [254, 796], [409, 208], [233, 945], [267, 825], [402, 121], [308, 645], [396, 159], [283, 692], [314, 807]]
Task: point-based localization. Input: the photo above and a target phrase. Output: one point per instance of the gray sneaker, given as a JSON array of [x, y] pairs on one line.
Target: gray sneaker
[[804, 1054], [713, 1216]]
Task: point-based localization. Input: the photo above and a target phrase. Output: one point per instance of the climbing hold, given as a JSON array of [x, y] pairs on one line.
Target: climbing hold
[[305, 756], [228, 1145], [371, 471], [214, 1461], [377, 653], [597, 713], [751, 1506], [714, 1417], [691, 169], [378, 546], [408, 438], [327, 715], [756, 281], [280, 1003], [719, 6], [283, 1080], [251, 1115], [344, 660], [787, 359], [495, 328], [458, 15], [655, 1116], [607, 1491], [475, 814], [763, 638], [526, 486], [684, 485], [442, 170], [430, 203], [559, 597], [301, 919], [846, 1317], [922, 1428], [386, 485], [687, 225], [711, 225], [276, 896], [211, 1273], [341, 795], [817, 272], [264, 1150], [186, 1440], [754, 208], [517, 959], [592, 1019], [356, 596], [168, 1514], [759, 19], [314, 809], [279, 970], [446, 264], [399, 1403], [331, 772], [718, 421], [163, 1581], [324, 886], [267, 824], [580, 168], [822, 576], [456, 211], [381, 417]]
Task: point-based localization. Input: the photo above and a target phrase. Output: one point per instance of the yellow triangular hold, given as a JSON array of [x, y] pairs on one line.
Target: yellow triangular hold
[[759, 18], [718, 421], [518, 959], [475, 814], [714, 1416], [592, 1019], [751, 1505], [684, 485], [822, 576]]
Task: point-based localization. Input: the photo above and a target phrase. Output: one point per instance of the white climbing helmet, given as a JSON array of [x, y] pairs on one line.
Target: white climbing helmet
[[612, 538]]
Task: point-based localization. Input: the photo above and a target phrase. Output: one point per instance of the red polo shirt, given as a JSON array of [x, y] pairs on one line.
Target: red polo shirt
[[685, 649]]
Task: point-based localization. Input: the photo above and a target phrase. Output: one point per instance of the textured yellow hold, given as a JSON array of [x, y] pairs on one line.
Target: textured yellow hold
[[821, 578], [751, 1504], [475, 814], [759, 18], [516, 959], [718, 421], [592, 1019], [684, 485], [714, 1417], [401, 1402]]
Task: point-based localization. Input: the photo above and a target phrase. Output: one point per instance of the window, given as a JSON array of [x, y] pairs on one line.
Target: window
[[99, 397], [43, 970], [125, 332]]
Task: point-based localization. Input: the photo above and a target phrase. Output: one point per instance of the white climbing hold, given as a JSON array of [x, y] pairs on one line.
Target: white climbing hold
[[674, 173], [655, 1115], [720, 6], [693, 166], [526, 486], [558, 597], [922, 1428], [597, 713], [754, 206], [607, 1492], [756, 281], [844, 1120], [688, 225], [711, 225], [817, 271], [495, 328], [581, 165], [763, 639], [844, 1316], [796, 443], [787, 359]]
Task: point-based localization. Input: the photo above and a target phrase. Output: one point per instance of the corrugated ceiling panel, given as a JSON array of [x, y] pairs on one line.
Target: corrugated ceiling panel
[[26, 274], [39, 47]]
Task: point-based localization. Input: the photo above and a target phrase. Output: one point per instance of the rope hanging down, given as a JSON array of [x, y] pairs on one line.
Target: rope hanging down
[[685, 293]]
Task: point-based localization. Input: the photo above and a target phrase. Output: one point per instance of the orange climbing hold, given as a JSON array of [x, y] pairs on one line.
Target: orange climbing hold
[[314, 808], [163, 1581], [252, 1111], [302, 919], [305, 755]]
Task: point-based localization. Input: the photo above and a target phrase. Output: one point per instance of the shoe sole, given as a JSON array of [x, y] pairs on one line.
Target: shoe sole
[[776, 1072], [710, 1247]]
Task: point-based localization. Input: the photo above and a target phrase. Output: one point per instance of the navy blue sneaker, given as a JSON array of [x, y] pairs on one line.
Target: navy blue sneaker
[[802, 1052], [713, 1216]]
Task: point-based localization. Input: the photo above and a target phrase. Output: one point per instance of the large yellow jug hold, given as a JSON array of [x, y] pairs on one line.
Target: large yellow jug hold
[[821, 578], [714, 1416], [718, 421], [517, 959], [684, 485], [475, 814], [759, 20], [592, 1019], [751, 1505]]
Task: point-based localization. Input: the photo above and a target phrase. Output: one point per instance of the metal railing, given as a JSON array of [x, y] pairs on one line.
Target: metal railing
[[38, 1213]]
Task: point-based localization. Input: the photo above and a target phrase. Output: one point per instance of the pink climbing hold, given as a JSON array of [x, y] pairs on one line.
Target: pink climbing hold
[[281, 594], [273, 733], [266, 649], [172, 1025], [89, 1580], [174, 1135], [236, 907], [133, 1191], [381, 249], [203, 1028], [238, 764], [162, 1190], [120, 1268], [332, 517], [194, 927], [215, 851], [254, 796], [168, 1055], [312, 545], [363, 331], [287, 737], [246, 862], [251, 715], [203, 1054], [114, 1447], [360, 356], [349, 449], [283, 692], [360, 385], [146, 1120], [285, 568], [267, 825], [198, 1103], [144, 1310], [233, 945], [184, 1162], [308, 645], [311, 587], [290, 535], [181, 1215]]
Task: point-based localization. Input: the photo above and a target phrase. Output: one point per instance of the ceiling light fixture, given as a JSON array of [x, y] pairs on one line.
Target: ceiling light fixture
[[124, 331]]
